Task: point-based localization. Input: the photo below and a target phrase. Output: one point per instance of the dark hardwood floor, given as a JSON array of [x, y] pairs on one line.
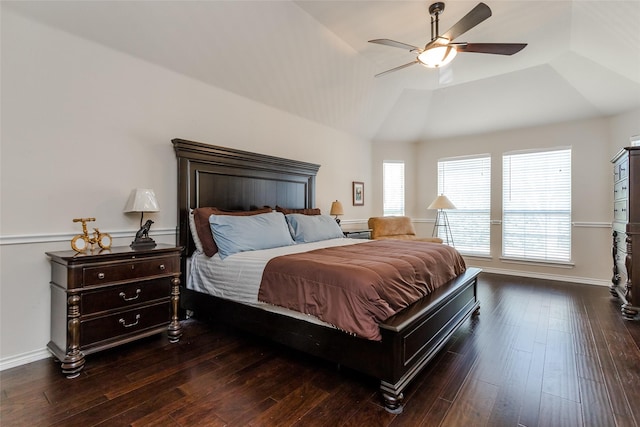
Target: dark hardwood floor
[[541, 353]]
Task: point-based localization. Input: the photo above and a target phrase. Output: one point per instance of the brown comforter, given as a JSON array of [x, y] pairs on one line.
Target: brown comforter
[[357, 286]]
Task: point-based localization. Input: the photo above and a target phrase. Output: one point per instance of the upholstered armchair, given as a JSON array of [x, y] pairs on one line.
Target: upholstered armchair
[[396, 227]]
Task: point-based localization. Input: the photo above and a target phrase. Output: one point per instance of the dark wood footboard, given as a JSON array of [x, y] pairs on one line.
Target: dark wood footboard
[[409, 339]]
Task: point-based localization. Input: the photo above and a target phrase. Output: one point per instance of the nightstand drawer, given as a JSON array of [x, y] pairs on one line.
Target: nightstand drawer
[[123, 323], [135, 269], [125, 296]]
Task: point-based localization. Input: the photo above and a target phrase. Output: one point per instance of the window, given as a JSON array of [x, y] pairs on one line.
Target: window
[[393, 188], [466, 181], [536, 205]]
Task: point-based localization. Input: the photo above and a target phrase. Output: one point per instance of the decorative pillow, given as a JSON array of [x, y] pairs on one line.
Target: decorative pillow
[[194, 232], [308, 211], [234, 234], [203, 228], [312, 228]]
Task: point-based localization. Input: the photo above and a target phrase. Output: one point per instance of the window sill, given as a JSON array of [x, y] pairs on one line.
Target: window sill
[[477, 256], [542, 263]]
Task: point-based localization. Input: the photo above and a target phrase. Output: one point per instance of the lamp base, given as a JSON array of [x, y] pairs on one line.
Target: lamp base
[[143, 243]]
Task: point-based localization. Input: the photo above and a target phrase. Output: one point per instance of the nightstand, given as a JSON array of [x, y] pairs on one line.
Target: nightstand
[[105, 298], [357, 234]]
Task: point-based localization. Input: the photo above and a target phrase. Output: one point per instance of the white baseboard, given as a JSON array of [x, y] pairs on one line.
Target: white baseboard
[[23, 359], [544, 276]]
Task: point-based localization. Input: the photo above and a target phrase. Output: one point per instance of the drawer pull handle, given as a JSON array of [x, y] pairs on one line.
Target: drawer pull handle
[[124, 296], [100, 275], [162, 267], [123, 323]]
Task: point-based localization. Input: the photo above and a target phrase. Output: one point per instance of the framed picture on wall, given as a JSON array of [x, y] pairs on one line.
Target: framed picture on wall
[[358, 193]]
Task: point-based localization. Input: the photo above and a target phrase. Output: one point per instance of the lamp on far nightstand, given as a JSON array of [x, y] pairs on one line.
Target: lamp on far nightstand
[[142, 200], [336, 209], [441, 203]]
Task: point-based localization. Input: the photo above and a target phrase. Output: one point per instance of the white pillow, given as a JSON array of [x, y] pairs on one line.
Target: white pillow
[[194, 232], [234, 234], [312, 228]]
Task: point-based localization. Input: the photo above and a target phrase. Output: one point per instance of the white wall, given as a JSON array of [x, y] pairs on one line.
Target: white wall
[[593, 142], [83, 124]]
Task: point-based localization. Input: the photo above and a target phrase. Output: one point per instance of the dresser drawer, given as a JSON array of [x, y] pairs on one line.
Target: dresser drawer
[[621, 189], [123, 323], [129, 271], [621, 169], [124, 296], [620, 211]]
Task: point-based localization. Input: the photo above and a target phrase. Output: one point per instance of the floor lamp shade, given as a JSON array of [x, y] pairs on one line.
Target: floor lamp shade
[[441, 202]]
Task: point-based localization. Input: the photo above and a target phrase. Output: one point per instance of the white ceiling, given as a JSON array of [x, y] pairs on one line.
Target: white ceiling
[[312, 58]]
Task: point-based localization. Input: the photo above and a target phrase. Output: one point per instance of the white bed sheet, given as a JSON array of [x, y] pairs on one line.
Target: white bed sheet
[[238, 276]]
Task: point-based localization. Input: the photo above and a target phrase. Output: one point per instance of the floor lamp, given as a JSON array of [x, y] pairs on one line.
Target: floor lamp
[[441, 203]]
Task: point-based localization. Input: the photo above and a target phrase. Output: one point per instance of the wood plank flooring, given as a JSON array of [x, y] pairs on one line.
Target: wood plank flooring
[[541, 353]]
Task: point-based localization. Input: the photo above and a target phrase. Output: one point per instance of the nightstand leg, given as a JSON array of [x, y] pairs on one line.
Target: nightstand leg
[[73, 362], [175, 328]]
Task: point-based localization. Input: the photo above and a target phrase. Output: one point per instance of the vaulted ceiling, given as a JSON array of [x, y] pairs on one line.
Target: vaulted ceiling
[[312, 58]]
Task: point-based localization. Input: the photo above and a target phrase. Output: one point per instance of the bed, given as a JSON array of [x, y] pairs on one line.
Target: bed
[[235, 180]]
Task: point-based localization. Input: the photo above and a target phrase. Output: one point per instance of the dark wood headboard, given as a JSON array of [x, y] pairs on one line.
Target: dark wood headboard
[[230, 179]]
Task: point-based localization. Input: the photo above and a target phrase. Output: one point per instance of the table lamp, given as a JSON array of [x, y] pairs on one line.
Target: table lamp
[[336, 209], [142, 200]]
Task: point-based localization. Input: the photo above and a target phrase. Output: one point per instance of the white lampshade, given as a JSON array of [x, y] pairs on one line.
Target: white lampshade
[[142, 200], [441, 202], [336, 208]]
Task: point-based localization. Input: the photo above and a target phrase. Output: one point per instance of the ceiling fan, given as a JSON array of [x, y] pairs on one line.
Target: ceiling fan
[[441, 49]]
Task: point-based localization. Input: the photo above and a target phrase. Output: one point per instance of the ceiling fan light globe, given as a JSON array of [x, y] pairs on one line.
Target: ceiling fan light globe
[[437, 56]]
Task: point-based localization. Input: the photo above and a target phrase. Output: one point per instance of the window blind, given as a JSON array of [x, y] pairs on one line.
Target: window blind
[[467, 183], [393, 188], [536, 216]]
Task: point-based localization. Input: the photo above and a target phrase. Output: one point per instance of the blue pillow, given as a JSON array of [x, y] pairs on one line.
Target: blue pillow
[[312, 228], [234, 234]]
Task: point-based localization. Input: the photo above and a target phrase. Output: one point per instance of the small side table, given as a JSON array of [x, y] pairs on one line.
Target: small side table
[[106, 298], [357, 234]]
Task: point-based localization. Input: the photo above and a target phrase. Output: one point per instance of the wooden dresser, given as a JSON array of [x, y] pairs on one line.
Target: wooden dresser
[[626, 231], [105, 298]]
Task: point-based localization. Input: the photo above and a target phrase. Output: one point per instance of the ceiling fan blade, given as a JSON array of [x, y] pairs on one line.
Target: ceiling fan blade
[[494, 48], [394, 43], [470, 20], [396, 69]]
